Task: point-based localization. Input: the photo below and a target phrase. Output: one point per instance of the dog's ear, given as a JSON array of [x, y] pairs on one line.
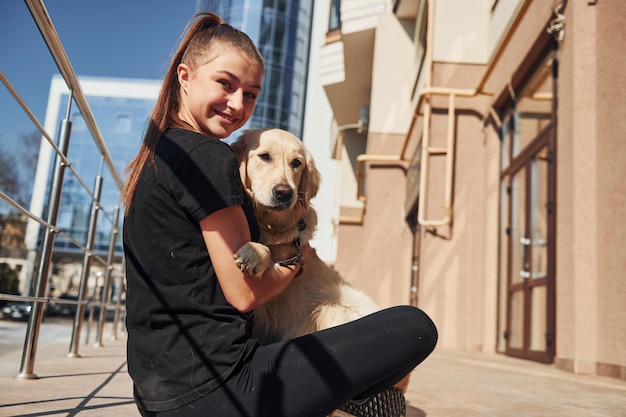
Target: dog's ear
[[311, 178], [240, 149]]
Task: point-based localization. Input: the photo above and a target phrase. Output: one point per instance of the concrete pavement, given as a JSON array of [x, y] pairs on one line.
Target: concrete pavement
[[447, 384], [471, 384], [95, 385]]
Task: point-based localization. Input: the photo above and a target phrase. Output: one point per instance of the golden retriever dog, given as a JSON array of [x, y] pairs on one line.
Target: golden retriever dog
[[280, 176]]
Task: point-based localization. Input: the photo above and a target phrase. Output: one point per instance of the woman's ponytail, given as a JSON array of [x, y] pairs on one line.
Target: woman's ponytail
[[202, 34]]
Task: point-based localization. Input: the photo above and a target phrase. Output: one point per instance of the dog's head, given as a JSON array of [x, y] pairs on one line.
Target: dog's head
[[276, 169]]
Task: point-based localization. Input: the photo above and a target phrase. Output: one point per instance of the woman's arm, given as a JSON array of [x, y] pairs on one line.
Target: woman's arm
[[224, 232]]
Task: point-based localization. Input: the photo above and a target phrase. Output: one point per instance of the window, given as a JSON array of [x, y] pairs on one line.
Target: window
[[421, 32], [334, 21], [123, 123], [494, 5], [78, 123], [420, 41]]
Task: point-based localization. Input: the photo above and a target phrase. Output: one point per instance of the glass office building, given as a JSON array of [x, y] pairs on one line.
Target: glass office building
[[121, 108], [281, 29]]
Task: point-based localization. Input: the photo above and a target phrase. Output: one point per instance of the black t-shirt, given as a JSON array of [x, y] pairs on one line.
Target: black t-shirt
[[184, 338]]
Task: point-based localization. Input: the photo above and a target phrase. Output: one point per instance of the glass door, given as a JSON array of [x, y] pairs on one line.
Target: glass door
[[528, 222], [528, 330]]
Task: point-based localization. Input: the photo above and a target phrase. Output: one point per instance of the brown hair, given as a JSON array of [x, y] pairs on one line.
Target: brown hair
[[204, 31]]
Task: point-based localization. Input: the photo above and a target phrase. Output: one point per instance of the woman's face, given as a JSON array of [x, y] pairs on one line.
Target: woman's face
[[218, 97]]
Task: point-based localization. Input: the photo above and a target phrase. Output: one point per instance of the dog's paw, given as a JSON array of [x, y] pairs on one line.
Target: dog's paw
[[253, 258]]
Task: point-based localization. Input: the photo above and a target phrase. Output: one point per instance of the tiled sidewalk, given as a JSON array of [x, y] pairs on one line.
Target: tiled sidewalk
[[447, 384], [469, 384], [95, 385]]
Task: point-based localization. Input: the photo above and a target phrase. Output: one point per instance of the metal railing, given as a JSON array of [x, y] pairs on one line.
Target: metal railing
[[41, 274]]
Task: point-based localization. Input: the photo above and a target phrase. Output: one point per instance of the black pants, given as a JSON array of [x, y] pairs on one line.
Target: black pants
[[313, 375]]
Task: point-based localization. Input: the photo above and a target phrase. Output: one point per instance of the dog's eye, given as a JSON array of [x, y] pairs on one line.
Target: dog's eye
[[265, 156], [296, 163]]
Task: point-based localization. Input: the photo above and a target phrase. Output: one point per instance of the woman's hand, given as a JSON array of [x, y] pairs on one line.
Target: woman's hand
[[224, 232]]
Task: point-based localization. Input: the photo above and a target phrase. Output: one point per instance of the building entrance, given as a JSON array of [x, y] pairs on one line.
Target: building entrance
[[527, 207]]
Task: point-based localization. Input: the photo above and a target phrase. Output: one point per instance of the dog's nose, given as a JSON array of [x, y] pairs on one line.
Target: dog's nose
[[283, 193]]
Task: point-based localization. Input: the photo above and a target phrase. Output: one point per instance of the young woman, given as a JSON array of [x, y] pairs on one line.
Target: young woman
[[189, 307]]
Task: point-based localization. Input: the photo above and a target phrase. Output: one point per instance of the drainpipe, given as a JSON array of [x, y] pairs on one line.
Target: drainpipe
[[425, 99], [400, 159]]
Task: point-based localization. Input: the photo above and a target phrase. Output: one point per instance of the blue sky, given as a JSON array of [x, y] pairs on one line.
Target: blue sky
[[106, 38]]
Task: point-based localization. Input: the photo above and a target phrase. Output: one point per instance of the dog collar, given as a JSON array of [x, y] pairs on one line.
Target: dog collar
[[295, 259]]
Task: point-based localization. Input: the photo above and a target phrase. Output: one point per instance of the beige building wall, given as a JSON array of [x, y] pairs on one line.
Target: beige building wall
[[611, 135], [591, 260], [375, 255], [458, 263], [380, 268], [460, 282]]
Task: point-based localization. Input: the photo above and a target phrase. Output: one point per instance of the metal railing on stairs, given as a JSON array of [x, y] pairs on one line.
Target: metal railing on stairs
[[41, 275]]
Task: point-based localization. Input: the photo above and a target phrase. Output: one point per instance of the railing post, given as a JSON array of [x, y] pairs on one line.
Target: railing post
[[118, 307], [95, 300], [107, 276], [82, 292], [41, 280]]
